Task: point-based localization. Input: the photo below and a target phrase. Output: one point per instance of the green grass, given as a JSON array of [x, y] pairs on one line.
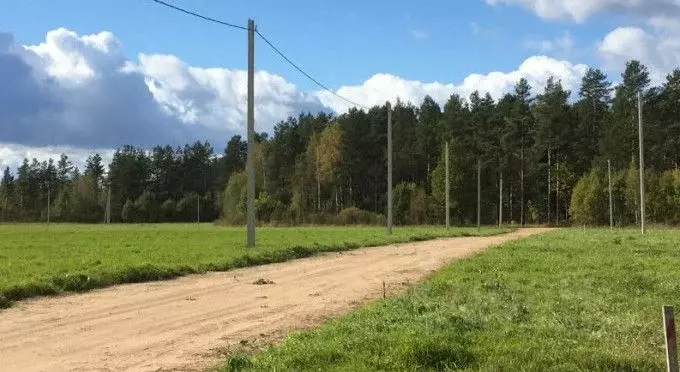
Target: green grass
[[563, 301], [46, 260]]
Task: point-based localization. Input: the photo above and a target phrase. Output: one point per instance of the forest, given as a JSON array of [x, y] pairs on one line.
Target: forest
[[551, 148]]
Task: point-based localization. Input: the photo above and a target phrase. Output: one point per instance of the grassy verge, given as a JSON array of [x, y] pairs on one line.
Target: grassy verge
[[40, 260], [563, 301]]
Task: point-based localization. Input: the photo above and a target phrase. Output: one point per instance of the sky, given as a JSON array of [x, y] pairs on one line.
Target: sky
[[78, 77]]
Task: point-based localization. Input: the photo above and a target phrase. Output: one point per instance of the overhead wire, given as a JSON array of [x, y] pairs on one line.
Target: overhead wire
[[185, 11], [280, 53], [268, 42]]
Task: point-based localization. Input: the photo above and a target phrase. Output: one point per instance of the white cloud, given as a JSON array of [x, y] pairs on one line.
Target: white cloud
[[12, 155], [385, 87], [72, 93], [216, 97], [580, 10], [82, 91], [659, 50]]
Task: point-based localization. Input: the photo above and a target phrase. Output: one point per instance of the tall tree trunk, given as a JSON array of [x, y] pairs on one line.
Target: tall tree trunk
[[510, 198], [342, 197], [351, 201], [375, 192]]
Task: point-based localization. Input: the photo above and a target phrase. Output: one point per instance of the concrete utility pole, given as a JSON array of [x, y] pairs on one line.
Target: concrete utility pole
[[448, 209], [479, 193], [500, 202], [389, 168], [250, 205], [611, 208], [107, 215], [318, 182], [521, 186], [557, 193], [642, 164], [48, 202], [549, 166]]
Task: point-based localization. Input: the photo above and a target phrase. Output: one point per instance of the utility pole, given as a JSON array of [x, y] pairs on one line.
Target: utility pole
[[318, 182], [642, 164], [479, 193], [107, 215], [251, 134], [500, 202], [198, 208], [611, 208], [389, 168], [557, 192], [48, 202], [549, 166], [448, 209], [521, 186]]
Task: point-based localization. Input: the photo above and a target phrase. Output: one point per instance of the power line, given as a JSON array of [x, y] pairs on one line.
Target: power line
[[280, 53], [199, 15], [277, 50]]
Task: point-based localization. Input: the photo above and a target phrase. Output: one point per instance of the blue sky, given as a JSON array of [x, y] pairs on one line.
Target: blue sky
[[82, 75], [340, 42]]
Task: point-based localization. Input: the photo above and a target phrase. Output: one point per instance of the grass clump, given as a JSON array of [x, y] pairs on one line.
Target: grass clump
[[40, 260], [562, 301]]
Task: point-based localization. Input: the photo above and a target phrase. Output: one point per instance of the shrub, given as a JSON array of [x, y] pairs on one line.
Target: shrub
[[168, 210], [356, 216], [586, 200], [129, 213], [234, 199]]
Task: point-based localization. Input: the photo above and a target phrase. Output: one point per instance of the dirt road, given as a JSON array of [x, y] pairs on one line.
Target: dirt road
[[178, 324]]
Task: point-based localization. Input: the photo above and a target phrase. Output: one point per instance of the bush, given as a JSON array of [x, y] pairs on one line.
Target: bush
[[147, 208], [410, 204], [356, 216], [234, 199], [168, 210], [186, 207], [587, 200], [129, 213], [266, 205], [321, 219]]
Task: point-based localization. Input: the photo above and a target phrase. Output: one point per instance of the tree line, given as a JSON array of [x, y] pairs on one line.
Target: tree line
[[551, 149]]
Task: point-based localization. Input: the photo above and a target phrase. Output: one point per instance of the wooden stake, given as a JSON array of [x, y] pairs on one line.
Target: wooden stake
[[669, 332]]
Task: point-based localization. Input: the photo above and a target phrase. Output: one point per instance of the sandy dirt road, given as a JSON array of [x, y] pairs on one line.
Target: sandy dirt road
[[178, 324]]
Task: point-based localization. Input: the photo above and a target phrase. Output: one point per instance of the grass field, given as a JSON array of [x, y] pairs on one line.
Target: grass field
[[563, 301], [45, 260]]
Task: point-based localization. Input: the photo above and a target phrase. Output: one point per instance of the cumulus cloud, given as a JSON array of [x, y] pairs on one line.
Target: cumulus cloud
[[72, 93], [12, 155], [654, 40], [580, 10], [385, 87], [216, 97], [82, 91], [659, 50]]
